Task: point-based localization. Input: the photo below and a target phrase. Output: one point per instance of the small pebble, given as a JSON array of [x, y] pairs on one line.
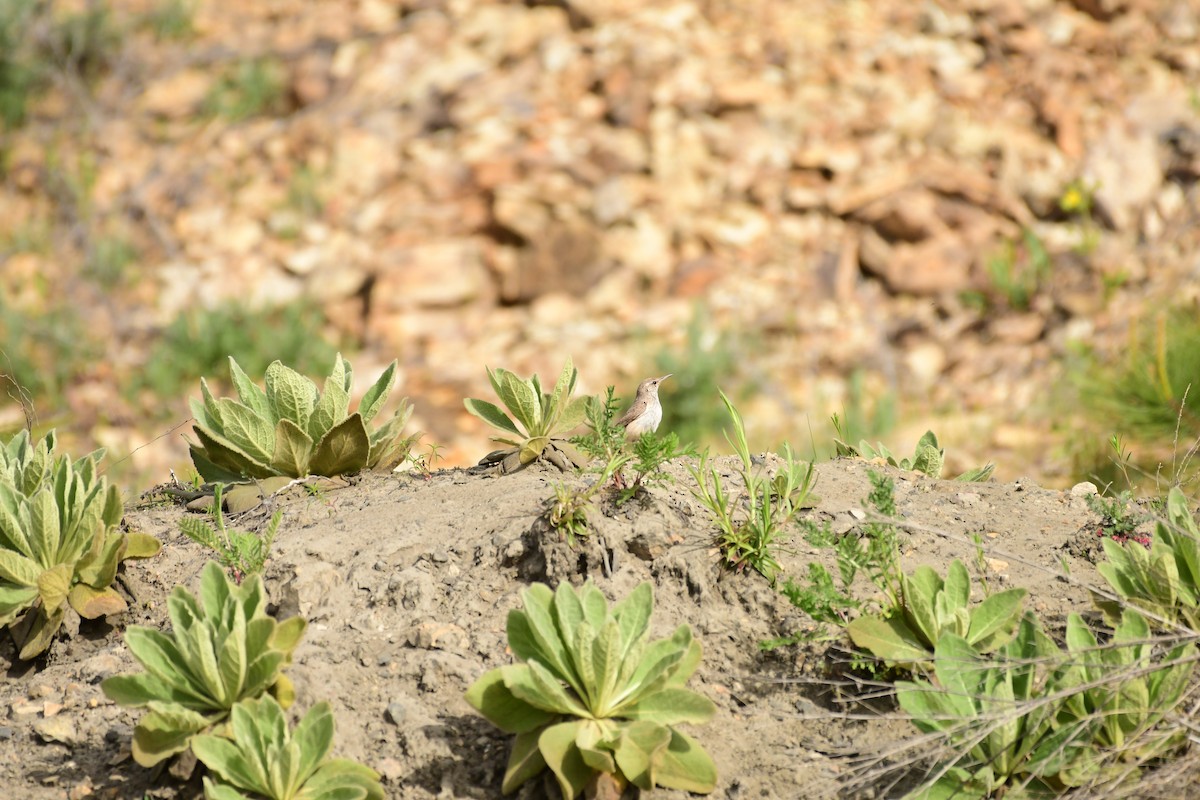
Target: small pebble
[[394, 713]]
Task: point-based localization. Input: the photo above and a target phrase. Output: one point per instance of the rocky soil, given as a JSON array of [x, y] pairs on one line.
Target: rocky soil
[[461, 183], [406, 581]]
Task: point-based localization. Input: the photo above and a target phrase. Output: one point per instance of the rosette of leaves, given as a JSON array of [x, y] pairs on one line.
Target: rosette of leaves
[[222, 648], [930, 608], [262, 757], [291, 429], [539, 419], [929, 457], [1164, 580], [1123, 693], [59, 542], [594, 701], [998, 715]]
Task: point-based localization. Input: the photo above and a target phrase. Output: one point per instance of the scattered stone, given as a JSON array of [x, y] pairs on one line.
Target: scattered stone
[[56, 729], [391, 770], [395, 712], [1084, 488]]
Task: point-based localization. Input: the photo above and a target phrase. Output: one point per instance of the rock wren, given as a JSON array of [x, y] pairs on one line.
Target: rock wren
[[646, 412]]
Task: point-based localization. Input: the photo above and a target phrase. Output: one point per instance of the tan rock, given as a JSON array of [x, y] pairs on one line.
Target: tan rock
[[179, 95], [438, 274]]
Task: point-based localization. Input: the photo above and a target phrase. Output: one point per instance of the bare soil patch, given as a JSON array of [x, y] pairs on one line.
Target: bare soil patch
[[406, 582]]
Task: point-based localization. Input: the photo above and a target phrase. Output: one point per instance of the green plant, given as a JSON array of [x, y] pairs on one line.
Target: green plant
[[749, 539], [292, 429], [541, 419], [198, 343], [906, 635], [263, 758], [1163, 581], [928, 458], [241, 552], [604, 439], [1078, 201], [569, 509], [108, 258], [59, 542], [18, 74], [222, 649], [1118, 695], [1117, 520], [997, 714], [1020, 270], [1145, 391], [818, 596], [250, 88], [871, 549], [593, 700], [650, 452], [171, 19]]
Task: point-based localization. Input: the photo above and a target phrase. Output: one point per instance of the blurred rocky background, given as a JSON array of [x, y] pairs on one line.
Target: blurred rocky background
[[977, 216]]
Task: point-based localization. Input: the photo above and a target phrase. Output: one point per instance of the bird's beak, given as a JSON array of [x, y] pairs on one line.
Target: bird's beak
[[664, 377]]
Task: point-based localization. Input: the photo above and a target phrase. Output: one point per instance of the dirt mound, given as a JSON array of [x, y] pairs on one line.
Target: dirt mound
[[406, 583]]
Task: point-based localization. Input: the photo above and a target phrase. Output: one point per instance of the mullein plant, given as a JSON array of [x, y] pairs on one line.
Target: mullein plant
[[262, 757], [60, 545], [223, 648], [593, 699], [291, 429], [539, 423]]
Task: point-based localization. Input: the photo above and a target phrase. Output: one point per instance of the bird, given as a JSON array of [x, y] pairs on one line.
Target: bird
[[646, 412]]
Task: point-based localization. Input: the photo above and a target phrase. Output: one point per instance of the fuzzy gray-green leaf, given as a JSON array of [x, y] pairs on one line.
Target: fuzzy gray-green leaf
[[291, 395], [344, 449], [377, 395]]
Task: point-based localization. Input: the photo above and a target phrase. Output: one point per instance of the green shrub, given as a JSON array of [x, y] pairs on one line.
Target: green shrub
[[222, 649], [59, 542], [198, 344], [593, 700], [262, 757], [293, 430]]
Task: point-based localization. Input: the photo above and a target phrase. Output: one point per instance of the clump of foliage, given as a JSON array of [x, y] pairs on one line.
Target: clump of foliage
[[539, 419], [997, 712], [928, 458], [650, 452], [569, 509], [870, 550], [198, 342], [250, 88], [906, 635], [594, 700], [749, 538], [1145, 391], [1163, 581], [262, 757], [1119, 695], [1032, 720], [293, 430], [242, 553], [1117, 521], [59, 541], [37, 42], [223, 648], [604, 440]]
